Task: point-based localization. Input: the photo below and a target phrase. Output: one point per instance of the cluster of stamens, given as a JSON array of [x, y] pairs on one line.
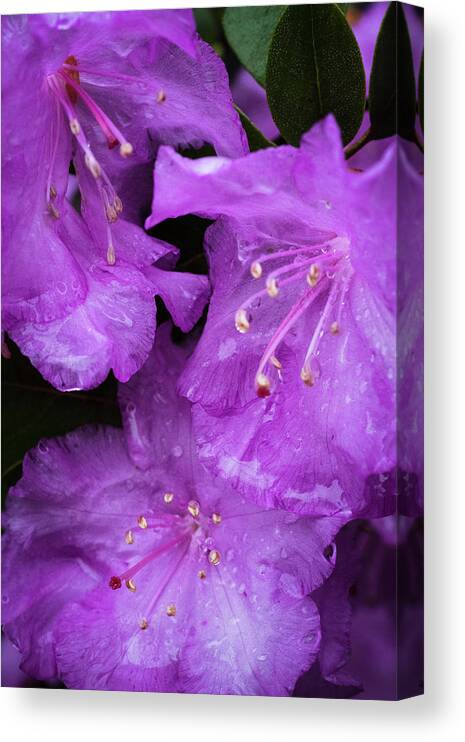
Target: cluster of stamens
[[67, 89], [326, 271], [182, 527]]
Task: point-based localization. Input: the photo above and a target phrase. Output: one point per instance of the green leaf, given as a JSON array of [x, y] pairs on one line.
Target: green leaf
[[255, 137], [314, 68], [343, 7], [208, 24], [32, 409], [421, 92], [392, 97], [249, 32]]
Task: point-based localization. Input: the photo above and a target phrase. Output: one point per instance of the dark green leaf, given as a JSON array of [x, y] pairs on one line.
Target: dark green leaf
[[32, 409], [249, 32], [421, 92], [255, 137], [208, 23], [392, 99], [314, 68], [343, 6]]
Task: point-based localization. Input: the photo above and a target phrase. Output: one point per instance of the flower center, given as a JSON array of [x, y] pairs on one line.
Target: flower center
[[186, 534], [326, 270], [66, 86]]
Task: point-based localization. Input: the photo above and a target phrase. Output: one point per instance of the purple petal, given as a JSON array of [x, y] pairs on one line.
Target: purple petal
[[184, 294], [157, 421], [54, 548], [251, 98]]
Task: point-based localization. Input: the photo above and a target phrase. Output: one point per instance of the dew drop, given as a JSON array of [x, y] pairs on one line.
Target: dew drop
[[310, 639]]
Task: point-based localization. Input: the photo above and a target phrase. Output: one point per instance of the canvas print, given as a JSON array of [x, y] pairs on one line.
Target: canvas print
[[212, 308]]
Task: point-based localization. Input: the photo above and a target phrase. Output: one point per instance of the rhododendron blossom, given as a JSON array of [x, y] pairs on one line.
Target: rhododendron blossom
[[127, 566], [102, 90], [315, 340]]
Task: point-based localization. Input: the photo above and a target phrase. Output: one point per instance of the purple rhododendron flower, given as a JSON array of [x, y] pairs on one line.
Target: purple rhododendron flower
[[126, 565], [103, 90], [315, 340]]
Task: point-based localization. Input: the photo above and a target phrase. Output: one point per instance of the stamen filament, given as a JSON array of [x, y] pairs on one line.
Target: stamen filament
[[152, 555], [71, 113], [300, 266], [53, 156], [342, 295], [111, 132], [264, 292], [314, 249], [290, 319], [319, 328], [166, 581], [98, 73]]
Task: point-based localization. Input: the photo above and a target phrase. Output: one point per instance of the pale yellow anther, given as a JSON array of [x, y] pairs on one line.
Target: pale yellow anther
[[256, 269], [112, 216], [216, 519], [143, 624], [54, 211], [129, 537], [313, 275], [334, 328], [171, 609], [263, 385], [160, 96], [126, 149], [307, 377], [92, 165], [193, 508], [242, 322], [75, 127], [53, 191], [168, 497], [111, 255], [131, 585], [214, 557], [277, 364], [118, 204], [202, 574], [141, 522], [272, 287]]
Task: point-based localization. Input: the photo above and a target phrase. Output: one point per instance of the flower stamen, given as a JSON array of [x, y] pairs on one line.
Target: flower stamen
[[325, 265]]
